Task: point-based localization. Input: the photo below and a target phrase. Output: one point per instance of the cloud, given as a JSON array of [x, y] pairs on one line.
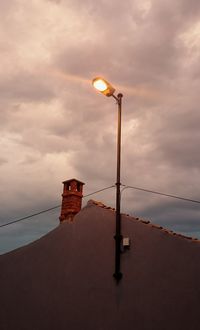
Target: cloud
[[55, 126], [2, 161], [26, 87]]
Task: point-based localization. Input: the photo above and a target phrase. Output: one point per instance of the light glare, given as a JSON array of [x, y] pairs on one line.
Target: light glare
[[100, 85], [103, 86]]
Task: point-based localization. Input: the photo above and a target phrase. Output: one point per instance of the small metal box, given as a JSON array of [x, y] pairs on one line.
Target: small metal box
[[126, 242]]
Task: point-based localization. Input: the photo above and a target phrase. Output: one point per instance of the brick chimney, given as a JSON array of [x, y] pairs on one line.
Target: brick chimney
[[71, 199]]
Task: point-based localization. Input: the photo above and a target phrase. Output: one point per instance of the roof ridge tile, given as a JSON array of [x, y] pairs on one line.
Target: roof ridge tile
[[146, 222]]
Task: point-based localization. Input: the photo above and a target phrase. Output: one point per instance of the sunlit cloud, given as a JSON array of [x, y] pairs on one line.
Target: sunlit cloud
[[55, 126]]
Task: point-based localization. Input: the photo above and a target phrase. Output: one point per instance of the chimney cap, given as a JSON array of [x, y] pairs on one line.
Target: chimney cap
[[66, 181]]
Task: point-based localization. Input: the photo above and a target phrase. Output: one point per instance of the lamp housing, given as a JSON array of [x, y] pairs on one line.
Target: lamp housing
[[103, 86]]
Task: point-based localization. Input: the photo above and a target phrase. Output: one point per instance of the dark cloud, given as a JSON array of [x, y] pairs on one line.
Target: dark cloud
[[55, 126], [3, 161], [26, 87]]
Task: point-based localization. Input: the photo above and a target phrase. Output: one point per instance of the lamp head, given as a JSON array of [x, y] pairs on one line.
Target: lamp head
[[103, 86]]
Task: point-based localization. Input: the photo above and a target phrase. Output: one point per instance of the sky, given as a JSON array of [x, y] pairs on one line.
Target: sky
[[55, 126]]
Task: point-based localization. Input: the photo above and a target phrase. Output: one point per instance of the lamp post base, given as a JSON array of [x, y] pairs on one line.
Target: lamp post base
[[118, 276]]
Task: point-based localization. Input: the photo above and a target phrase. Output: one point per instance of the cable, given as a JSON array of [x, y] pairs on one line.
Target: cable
[[99, 191], [50, 209], [29, 216], [162, 194]]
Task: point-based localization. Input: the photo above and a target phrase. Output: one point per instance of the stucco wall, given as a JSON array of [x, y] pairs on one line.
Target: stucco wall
[[64, 280]]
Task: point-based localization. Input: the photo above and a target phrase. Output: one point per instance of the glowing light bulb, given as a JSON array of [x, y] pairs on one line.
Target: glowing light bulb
[[103, 86], [100, 85]]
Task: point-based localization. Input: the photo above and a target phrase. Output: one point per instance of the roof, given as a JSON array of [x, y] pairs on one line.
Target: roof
[[64, 280], [170, 232]]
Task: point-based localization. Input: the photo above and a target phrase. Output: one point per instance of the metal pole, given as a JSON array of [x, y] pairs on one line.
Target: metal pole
[[118, 236]]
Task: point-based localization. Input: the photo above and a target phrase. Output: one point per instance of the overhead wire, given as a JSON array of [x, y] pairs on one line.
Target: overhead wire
[[98, 191], [162, 194], [49, 209], [29, 216]]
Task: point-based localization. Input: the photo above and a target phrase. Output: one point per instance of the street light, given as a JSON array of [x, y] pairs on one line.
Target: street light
[[107, 89], [103, 86]]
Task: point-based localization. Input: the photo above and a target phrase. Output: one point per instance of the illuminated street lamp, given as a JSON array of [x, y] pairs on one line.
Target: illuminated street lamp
[[103, 86], [107, 89]]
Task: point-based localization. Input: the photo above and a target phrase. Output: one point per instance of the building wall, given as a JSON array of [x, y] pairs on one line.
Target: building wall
[[64, 280]]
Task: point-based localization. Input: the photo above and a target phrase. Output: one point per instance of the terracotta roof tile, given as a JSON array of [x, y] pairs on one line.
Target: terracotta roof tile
[[146, 222]]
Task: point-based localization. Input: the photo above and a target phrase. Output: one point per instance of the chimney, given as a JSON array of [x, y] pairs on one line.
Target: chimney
[[71, 199]]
